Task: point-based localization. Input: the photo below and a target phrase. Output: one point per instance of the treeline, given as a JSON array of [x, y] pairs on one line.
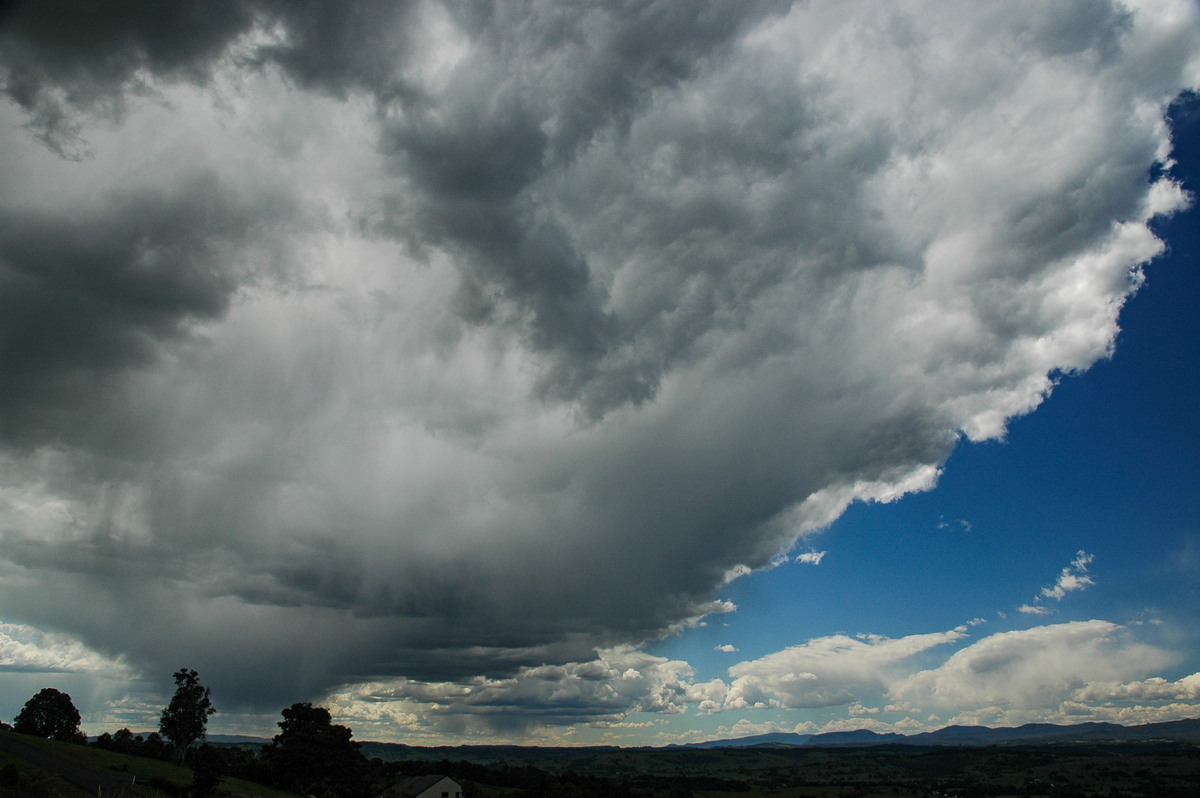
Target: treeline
[[313, 756], [359, 777], [528, 781], [277, 764]]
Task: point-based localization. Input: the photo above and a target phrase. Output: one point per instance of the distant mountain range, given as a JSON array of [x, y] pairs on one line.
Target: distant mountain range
[[1182, 730], [1188, 730]]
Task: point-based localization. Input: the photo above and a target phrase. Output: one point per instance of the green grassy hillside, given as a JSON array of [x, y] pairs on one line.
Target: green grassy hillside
[[50, 774]]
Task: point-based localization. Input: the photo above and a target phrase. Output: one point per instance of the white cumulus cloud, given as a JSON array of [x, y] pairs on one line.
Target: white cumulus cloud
[[826, 671], [26, 648], [1030, 668], [1073, 577]]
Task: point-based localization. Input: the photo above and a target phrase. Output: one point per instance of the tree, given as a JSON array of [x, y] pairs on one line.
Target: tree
[[314, 756], [207, 769], [51, 714], [184, 720], [152, 747]]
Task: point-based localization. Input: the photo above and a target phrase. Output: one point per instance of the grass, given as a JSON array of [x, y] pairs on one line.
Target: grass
[[140, 770], [33, 781]]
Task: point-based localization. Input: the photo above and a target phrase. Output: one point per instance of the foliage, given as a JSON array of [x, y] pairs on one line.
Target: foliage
[[1159, 769], [125, 742], [313, 755], [184, 720], [50, 714], [207, 769], [95, 758], [166, 777]]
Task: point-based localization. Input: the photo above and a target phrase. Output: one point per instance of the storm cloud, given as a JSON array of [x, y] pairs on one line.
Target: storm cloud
[[346, 342]]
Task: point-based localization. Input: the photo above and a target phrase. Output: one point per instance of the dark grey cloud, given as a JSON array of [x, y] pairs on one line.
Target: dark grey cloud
[[442, 341], [65, 60], [341, 47], [541, 85], [600, 691], [92, 290], [62, 57]]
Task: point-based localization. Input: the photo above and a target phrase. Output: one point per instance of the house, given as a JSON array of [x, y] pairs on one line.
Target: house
[[425, 787]]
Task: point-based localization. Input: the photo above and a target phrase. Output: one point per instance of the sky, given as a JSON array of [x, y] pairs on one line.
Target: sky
[[626, 373]]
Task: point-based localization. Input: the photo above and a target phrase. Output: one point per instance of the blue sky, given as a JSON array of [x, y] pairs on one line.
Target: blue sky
[[1108, 465], [624, 374]]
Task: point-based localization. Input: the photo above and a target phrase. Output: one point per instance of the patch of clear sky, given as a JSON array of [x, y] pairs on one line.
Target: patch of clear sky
[[1109, 464]]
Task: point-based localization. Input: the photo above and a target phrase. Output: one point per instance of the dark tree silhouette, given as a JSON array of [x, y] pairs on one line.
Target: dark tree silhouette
[[51, 714], [184, 720], [312, 755], [208, 765]]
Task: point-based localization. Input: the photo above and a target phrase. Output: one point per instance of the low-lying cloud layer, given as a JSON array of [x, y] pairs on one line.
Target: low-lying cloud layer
[[1069, 672], [345, 343]]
